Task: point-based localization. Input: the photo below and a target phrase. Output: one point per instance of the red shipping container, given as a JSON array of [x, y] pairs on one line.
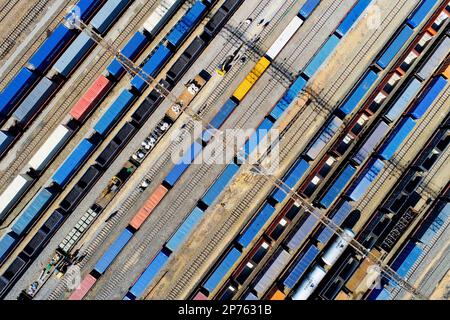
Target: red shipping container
[[148, 207], [93, 95], [84, 288], [200, 296]]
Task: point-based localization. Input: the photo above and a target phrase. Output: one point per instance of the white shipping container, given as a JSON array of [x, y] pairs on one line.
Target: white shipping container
[[284, 37], [310, 284], [50, 147], [13, 192], [158, 14]]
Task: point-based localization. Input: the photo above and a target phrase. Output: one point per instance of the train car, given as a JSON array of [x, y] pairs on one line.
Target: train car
[[34, 102], [134, 47], [349, 21], [32, 211], [96, 92], [218, 186], [277, 295], [307, 286], [321, 55], [6, 140], [45, 154], [76, 159], [12, 273], [426, 99], [284, 37], [435, 59], [114, 112], [359, 187], [139, 287], [152, 202], [182, 165], [401, 103], [113, 251], [184, 26], [247, 84], [272, 272], [218, 120], [84, 287], [15, 91], [218, 20], [116, 145], [160, 15], [51, 49], [395, 45], [13, 193], [7, 244], [308, 8], [108, 15], [221, 270], [299, 268], [295, 173], [396, 138], [336, 248], [188, 225], [326, 134], [337, 186], [146, 108], [255, 226], [420, 12], [301, 232], [86, 8]]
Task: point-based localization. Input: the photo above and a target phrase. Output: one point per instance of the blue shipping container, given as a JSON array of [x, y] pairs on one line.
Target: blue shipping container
[[35, 101], [338, 218], [419, 14], [5, 141], [32, 211], [406, 259], [74, 54], [290, 95], [78, 156], [158, 58], [432, 227], [426, 99], [337, 187], [257, 137], [300, 235], [403, 101], [6, 244], [325, 136], [146, 278], [364, 180], [114, 112], [108, 14], [85, 8], [308, 8], [222, 269], [290, 180], [352, 16], [395, 47], [113, 251], [51, 48], [321, 56], [185, 229], [219, 119], [396, 138], [220, 184], [131, 50], [300, 267], [183, 164], [255, 226], [16, 90], [359, 92], [371, 143], [184, 26]]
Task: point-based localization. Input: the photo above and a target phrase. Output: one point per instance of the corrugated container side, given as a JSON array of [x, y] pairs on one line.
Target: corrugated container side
[[35, 101], [300, 235], [185, 229], [148, 208], [338, 218], [149, 274], [219, 118], [220, 184], [395, 46], [6, 245], [352, 16], [325, 136], [421, 11], [435, 59], [364, 180], [113, 251], [183, 164], [371, 143], [290, 180], [32, 211], [108, 14], [272, 272], [396, 138], [320, 57], [256, 225], [337, 187], [222, 269], [51, 146], [93, 95], [402, 102], [426, 99], [300, 267], [84, 288], [16, 90], [359, 92]]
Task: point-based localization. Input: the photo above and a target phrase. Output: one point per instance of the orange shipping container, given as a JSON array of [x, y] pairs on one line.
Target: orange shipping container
[[148, 207], [278, 295], [92, 96]]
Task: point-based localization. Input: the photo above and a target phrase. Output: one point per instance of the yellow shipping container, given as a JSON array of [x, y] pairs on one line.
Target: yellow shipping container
[[247, 84]]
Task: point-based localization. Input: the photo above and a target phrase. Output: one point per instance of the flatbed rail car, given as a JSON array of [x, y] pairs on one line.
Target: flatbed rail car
[[280, 113]]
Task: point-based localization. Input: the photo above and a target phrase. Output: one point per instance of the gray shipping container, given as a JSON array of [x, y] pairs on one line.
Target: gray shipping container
[[31, 105], [272, 272], [435, 59], [372, 141]]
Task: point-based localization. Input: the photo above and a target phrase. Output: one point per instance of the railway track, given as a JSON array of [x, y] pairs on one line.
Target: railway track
[[6, 9], [213, 242], [391, 168], [66, 102]]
